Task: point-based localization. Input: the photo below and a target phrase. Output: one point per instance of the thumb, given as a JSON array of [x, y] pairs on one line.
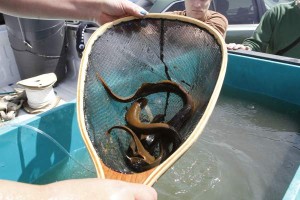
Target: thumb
[[145, 194], [133, 191]]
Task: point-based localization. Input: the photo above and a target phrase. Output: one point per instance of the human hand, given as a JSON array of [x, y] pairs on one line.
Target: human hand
[[103, 189], [93, 188], [112, 10], [234, 46]]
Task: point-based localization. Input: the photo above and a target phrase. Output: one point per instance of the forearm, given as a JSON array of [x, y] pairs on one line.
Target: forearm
[[262, 35], [13, 190], [93, 188], [59, 9], [69, 189]]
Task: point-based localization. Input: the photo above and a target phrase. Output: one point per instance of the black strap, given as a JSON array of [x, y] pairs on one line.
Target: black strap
[[80, 36], [284, 50]]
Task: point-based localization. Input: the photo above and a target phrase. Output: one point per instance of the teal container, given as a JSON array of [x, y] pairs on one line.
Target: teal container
[[26, 155]]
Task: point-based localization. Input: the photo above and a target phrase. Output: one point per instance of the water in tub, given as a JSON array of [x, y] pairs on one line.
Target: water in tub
[[250, 149]]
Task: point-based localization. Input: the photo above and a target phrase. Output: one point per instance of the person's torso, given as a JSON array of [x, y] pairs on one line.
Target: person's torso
[[285, 31], [214, 19]]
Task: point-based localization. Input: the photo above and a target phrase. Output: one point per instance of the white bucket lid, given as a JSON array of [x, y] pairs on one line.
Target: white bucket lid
[[39, 82]]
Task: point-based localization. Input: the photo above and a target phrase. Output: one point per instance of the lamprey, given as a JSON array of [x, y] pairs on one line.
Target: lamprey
[[164, 86], [163, 135], [139, 158], [151, 88], [164, 130]]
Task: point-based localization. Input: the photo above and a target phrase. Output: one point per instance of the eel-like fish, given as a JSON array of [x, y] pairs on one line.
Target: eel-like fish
[[164, 130], [164, 86], [140, 159], [164, 133]]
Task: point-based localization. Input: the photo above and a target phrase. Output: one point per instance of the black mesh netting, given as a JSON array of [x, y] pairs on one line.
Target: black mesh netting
[[146, 51]]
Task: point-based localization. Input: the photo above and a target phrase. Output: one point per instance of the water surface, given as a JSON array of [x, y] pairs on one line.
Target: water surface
[[248, 150], [69, 169]]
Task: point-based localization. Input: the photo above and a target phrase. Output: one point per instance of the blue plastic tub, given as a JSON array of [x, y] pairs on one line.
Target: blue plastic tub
[[25, 156]]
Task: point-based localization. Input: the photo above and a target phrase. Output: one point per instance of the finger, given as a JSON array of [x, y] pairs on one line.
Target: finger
[[230, 46], [134, 192], [104, 18], [248, 48], [145, 193], [238, 46], [133, 9]]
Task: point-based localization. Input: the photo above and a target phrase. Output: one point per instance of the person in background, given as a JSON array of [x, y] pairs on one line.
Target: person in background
[[100, 11], [277, 33], [198, 9]]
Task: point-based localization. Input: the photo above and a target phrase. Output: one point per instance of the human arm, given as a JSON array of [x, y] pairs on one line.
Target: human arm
[[100, 11], [93, 188], [261, 37], [218, 22]]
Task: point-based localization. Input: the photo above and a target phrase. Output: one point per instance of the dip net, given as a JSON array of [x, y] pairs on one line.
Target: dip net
[[131, 52]]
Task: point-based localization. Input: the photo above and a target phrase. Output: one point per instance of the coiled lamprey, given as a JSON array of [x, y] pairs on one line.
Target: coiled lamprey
[[164, 135]]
